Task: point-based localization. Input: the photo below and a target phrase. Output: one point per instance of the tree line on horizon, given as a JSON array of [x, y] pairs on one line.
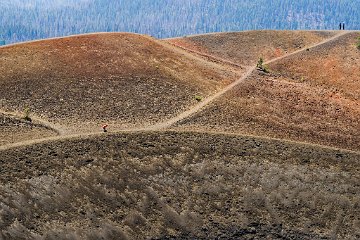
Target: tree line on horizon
[[23, 20]]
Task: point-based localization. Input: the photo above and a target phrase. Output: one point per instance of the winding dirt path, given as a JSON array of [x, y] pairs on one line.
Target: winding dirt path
[[202, 104], [248, 72], [163, 125]]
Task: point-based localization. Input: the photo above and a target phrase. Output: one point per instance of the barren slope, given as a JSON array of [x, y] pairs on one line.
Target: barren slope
[[334, 66], [185, 185], [13, 130], [122, 79], [181, 185], [323, 109], [245, 48]]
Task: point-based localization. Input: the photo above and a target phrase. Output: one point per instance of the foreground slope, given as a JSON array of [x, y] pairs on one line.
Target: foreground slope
[[184, 185], [307, 102], [245, 48], [122, 79]]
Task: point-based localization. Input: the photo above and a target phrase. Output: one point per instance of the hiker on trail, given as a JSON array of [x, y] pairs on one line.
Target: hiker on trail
[[104, 127], [343, 26], [340, 26]]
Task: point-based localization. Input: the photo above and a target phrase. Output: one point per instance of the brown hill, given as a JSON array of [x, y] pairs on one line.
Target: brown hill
[[201, 184], [245, 48], [118, 78], [305, 103], [334, 66], [14, 129], [168, 185]]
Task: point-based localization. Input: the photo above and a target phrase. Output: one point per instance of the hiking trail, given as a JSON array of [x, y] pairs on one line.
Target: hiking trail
[[63, 134]]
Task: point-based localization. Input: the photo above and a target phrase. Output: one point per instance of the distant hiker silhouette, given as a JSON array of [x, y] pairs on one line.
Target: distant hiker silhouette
[[343, 26], [340, 26]]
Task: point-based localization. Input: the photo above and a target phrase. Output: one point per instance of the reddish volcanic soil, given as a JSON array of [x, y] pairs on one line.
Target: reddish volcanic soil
[[124, 79], [245, 48], [201, 143]]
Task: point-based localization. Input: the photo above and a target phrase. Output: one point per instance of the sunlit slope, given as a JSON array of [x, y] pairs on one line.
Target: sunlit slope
[[119, 78], [293, 102], [245, 48], [334, 66], [185, 185]]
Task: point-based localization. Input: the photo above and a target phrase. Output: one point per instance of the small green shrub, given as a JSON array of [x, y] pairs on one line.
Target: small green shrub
[[265, 68], [358, 43], [260, 63], [261, 66], [198, 98], [27, 114]]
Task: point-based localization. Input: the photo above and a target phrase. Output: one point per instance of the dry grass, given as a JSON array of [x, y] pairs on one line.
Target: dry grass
[[152, 185], [122, 79], [245, 48]]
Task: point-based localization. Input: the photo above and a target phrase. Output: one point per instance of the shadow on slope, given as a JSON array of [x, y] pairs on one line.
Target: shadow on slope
[[178, 186]]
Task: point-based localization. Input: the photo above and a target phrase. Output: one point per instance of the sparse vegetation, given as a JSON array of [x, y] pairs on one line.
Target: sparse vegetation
[[318, 107], [27, 114], [152, 188], [244, 48], [16, 129], [198, 98], [261, 66], [173, 184], [99, 101], [358, 43], [260, 63]]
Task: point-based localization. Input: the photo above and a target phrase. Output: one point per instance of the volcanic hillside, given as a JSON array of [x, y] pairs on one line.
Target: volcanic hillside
[[245, 48], [169, 185], [312, 96], [122, 79], [213, 150], [13, 129], [334, 66]]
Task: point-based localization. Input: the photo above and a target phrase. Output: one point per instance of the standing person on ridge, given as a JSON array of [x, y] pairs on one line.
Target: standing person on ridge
[[343, 27], [340, 26]]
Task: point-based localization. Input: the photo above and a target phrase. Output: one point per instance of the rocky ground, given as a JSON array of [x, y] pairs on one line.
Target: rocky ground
[[251, 154], [13, 129], [165, 185]]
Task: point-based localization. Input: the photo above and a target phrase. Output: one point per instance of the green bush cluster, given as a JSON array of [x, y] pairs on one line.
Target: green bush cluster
[[261, 66], [198, 98], [27, 114]]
